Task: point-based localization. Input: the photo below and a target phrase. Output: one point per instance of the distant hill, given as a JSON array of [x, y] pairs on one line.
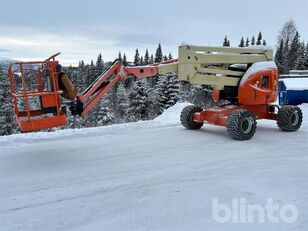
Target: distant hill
[[5, 62]]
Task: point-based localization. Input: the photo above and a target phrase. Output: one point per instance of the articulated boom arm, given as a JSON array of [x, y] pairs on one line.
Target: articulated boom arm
[[118, 72], [196, 65]]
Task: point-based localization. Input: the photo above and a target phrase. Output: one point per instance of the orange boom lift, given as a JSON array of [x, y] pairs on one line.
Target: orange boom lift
[[246, 77]]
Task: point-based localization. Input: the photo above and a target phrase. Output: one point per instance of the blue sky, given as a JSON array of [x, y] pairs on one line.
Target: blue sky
[[33, 29]]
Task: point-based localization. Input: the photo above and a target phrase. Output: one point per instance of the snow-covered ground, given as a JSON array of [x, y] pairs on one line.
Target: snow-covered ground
[[152, 175]]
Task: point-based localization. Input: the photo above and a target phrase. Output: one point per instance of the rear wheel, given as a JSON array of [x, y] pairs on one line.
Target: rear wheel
[[241, 124], [290, 118], [187, 117]]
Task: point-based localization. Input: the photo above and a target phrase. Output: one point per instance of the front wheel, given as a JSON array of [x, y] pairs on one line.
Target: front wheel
[[187, 117], [290, 118], [241, 124]]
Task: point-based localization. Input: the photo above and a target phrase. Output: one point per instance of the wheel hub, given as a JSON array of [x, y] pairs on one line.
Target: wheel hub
[[294, 118], [246, 125]]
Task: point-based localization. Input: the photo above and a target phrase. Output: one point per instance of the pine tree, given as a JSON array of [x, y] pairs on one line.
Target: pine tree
[[293, 52], [300, 63], [137, 58], [264, 42], [7, 122], [225, 43], [259, 40], [201, 95], [120, 57], [228, 43], [141, 60], [173, 87], [99, 62], [253, 40], [151, 81], [165, 58], [99, 68], [90, 72], [158, 54], [124, 60], [122, 102], [306, 57], [161, 96], [146, 57], [279, 58], [152, 105], [80, 78], [170, 56], [247, 42], [81, 63], [167, 91], [128, 81], [242, 43], [105, 115], [151, 59], [137, 109], [285, 54]]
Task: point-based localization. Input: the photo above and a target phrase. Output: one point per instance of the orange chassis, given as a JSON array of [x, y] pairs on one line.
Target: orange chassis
[[219, 115]]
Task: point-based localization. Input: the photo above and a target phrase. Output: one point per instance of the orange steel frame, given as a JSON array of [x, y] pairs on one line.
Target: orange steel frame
[[219, 115], [34, 119]]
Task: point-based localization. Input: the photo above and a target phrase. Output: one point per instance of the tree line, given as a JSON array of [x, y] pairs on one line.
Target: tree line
[[248, 42], [292, 52]]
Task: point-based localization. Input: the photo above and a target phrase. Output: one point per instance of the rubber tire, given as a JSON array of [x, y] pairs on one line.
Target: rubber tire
[[284, 121], [187, 117], [235, 122]]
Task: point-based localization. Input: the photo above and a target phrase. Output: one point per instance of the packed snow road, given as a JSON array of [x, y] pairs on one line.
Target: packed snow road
[[152, 175]]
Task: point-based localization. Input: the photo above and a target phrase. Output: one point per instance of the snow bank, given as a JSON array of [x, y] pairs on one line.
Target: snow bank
[[296, 83], [170, 117]]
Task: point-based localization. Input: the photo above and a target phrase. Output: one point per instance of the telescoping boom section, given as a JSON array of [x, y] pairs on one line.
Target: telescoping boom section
[[245, 78]]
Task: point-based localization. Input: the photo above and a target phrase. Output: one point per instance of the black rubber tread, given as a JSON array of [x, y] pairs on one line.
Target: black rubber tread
[[234, 122], [187, 115], [284, 118]]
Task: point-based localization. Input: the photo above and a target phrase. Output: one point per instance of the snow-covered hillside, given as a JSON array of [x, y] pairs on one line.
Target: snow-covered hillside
[[152, 175], [5, 62]]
